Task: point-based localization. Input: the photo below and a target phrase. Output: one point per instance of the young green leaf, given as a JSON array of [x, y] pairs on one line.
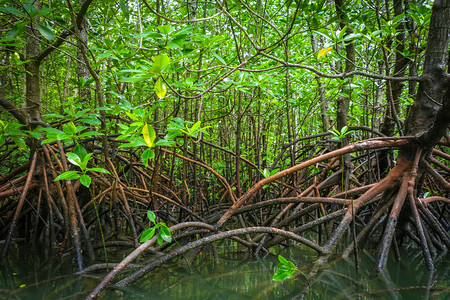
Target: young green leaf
[[85, 180], [85, 161], [151, 216], [69, 175], [164, 29], [195, 126], [80, 151], [165, 233], [165, 143], [147, 234], [146, 155], [281, 275], [74, 159], [160, 240], [70, 128]]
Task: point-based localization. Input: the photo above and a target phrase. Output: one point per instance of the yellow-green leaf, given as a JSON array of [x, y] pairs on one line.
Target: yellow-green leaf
[[324, 51], [149, 135], [160, 88]]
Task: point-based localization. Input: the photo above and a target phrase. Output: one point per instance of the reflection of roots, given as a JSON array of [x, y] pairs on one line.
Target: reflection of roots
[[386, 210]]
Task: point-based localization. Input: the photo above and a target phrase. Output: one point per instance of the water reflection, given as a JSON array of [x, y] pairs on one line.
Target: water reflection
[[232, 275]]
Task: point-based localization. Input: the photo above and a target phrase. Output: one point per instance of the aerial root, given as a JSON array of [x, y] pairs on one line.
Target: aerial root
[[20, 205]]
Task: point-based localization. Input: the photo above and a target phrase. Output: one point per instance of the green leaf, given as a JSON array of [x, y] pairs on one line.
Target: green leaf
[[147, 234], [151, 216], [146, 155], [125, 10], [17, 29], [13, 10], [132, 116], [52, 130], [219, 58], [73, 158], [70, 128], [89, 134], [165, 233], [165, 143], [159, 62], [69, 175], [160, 88], [281, 274], [282, 260], [101, 170], [195, 126], [46, 32], [35, 133], [164, 29], [91, 121], [80, 151], [85, 161], [136, 143], [134, 79], [53, 116], [160, 240], [85, 180], [352, 36]]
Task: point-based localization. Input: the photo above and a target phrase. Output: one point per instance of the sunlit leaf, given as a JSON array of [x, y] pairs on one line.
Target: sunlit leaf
[[149, 135], [160, 88], [73, 158], [324, 51]]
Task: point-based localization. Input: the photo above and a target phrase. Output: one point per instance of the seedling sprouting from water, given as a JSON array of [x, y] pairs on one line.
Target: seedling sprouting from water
[[285, 269]]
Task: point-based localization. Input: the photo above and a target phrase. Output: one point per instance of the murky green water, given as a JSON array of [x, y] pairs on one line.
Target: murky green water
[[236, 275]]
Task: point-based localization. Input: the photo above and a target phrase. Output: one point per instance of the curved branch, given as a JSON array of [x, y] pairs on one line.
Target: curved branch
[[341, 75]]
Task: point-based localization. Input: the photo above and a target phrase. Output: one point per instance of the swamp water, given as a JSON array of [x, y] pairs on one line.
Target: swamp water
[[236, 275]]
